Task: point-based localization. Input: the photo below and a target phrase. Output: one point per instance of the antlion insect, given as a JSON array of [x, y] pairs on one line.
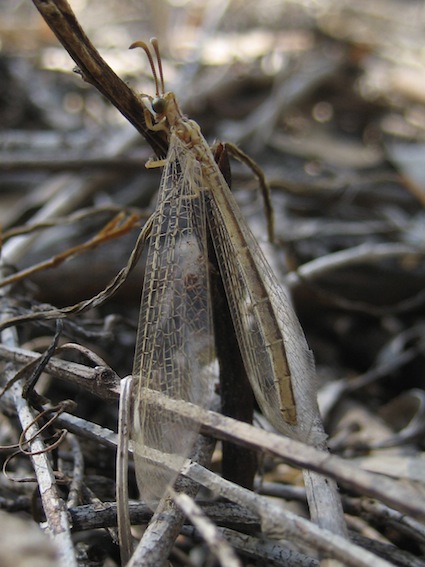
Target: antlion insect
[[175, 349]]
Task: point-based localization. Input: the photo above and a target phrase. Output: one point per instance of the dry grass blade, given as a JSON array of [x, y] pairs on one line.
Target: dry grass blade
[[97, 300], [114, 229], [124, 527]]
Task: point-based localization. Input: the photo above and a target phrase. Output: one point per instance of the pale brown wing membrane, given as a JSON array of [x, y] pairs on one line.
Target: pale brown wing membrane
[[175, 340], [278, 361], [279, 364]]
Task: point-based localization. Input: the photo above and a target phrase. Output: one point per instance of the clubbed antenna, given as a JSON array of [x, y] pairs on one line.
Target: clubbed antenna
[[145, 47], [155, 45]]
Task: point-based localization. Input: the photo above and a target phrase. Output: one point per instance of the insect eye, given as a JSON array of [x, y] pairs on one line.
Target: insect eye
[[158, 105]]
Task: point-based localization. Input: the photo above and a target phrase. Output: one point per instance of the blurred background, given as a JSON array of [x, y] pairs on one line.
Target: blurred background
[[327, 96]]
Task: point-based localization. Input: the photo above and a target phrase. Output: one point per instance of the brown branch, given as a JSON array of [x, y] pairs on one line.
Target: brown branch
[[99, 381], [89, 517], [60, 18]]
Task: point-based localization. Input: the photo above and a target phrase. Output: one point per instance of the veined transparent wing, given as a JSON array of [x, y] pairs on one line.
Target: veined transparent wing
[[175, 344], [279, 363]]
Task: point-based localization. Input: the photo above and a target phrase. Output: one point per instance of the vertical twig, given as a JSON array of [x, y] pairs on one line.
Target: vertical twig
[[74, 495], [53, 505], [239, 464]]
